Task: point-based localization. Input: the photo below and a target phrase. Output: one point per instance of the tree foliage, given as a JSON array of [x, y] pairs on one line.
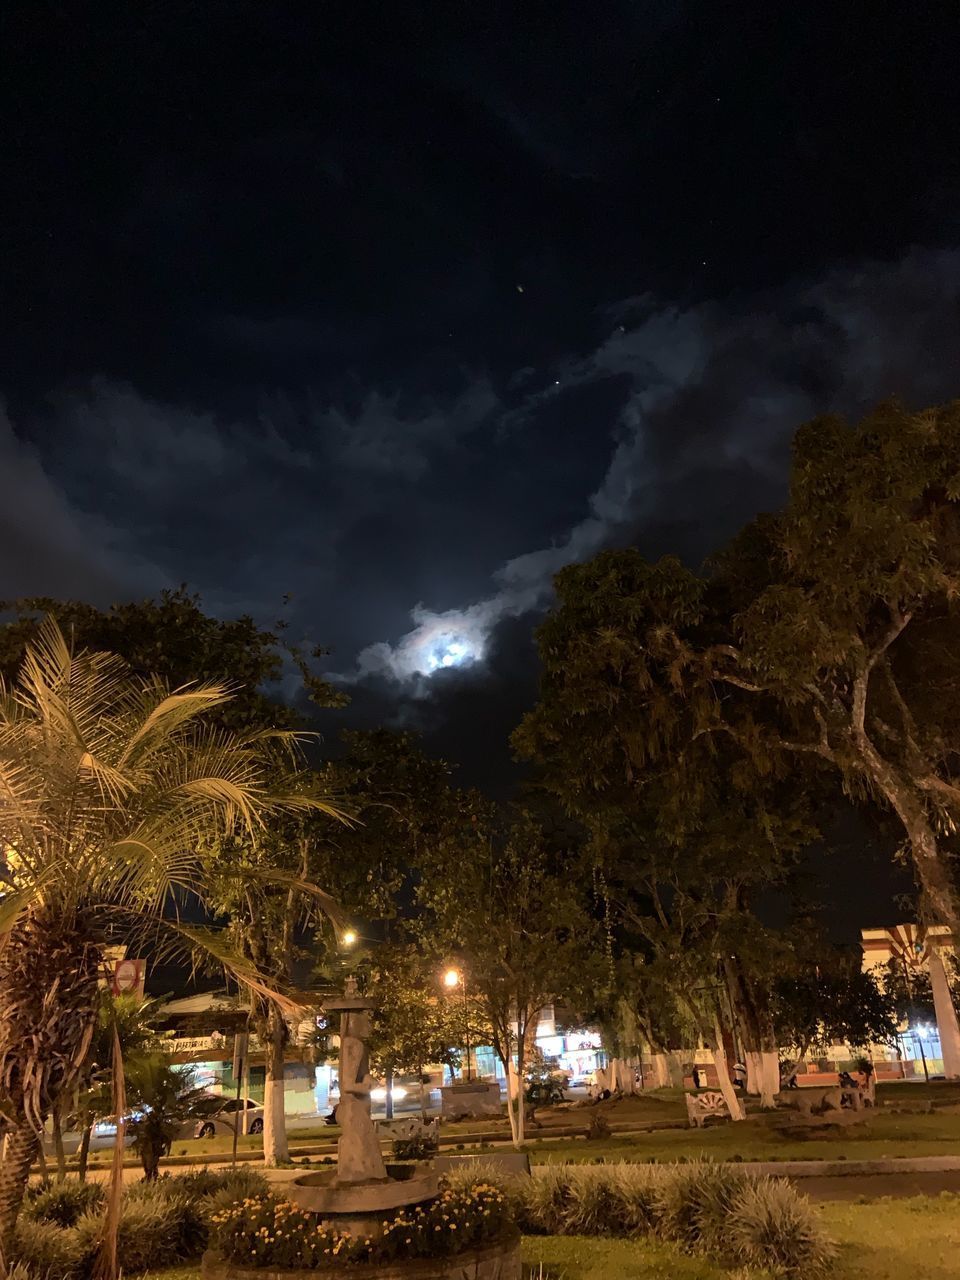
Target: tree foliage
[[415, 1022], [822, 636], [832, 1002], [110, 786], [511, 908], [173, 639]]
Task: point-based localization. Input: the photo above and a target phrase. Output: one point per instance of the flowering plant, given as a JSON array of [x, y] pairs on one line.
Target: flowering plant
[[263, 1231]]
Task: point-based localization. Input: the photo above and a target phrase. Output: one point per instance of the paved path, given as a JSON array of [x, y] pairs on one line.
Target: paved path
[[875, 1185]]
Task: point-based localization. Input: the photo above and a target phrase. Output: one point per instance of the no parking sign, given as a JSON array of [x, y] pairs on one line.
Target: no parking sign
[[128, 977]]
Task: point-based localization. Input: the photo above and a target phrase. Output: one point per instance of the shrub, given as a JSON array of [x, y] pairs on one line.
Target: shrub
[[155, 1231], [599, 1129], [64, 1202], [20, 1271], [740, 1219], [772, 1225], [44, 1249], [205, 1184], [263, 1231], [585, 1200], [593, 1206], [635, 1191], [544, 1201], [694, 1203], [419, 1147]]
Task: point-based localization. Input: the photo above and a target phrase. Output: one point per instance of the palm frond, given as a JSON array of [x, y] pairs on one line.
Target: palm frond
[[171, 713], [216, 945]]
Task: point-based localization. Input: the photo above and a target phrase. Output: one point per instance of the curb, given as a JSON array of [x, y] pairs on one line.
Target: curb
[[849, 1168]]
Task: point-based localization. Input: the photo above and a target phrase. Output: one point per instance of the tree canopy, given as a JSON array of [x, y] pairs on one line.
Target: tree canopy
[[821, 636]]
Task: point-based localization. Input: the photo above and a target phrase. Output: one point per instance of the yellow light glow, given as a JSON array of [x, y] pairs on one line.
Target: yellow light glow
[[451, 978], [348, 938]]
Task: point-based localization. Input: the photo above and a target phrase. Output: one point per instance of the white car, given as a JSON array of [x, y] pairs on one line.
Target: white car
[[217, 1115]]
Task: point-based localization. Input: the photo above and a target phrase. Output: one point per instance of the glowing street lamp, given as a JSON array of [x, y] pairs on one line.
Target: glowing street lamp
[[452, 979], [348, 937]]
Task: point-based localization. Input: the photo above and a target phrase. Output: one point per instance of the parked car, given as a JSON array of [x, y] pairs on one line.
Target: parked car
[[217, 1115]]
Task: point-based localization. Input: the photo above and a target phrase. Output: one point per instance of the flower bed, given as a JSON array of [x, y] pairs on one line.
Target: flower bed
[[264, 1232], [497, 1261]]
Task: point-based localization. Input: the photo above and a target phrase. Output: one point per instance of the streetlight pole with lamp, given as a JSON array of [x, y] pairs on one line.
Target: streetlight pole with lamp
[[451, 979]]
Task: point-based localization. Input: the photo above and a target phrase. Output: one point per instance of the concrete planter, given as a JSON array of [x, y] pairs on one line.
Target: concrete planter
[[471, 1100], [498, 1261]]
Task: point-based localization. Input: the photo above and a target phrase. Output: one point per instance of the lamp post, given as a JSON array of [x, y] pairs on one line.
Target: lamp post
[[451, 979]]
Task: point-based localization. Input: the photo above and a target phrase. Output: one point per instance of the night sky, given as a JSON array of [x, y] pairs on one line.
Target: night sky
[[398, 308]]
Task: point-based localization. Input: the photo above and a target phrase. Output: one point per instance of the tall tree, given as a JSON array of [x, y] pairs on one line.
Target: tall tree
[[268, 889], [828, 1000], [109, 785], [687, 826], [824, 635], [413, 1024], [496, 896]]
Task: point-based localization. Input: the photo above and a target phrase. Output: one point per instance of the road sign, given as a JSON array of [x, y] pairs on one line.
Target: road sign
[[127, 977]]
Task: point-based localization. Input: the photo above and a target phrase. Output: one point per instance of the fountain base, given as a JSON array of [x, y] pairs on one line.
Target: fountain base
[[358, 1207]]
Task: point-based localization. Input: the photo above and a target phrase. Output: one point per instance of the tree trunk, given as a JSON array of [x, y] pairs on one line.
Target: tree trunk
[[660, 1069], [754, 1070], [508, 1068], [275, 1149], [20, 1151], [56, 1122], [520, 1100], [675, 1068], [734, 1105], [626, 1075], [909, 804], [946, 1015], [105, 1266], [83, 1151], [769, 1078], [151, 1149], [423, 1094]]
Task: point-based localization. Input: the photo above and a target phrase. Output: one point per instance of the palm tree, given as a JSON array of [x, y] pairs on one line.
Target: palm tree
[[109, 787], [131, 1018], [160, 1100]]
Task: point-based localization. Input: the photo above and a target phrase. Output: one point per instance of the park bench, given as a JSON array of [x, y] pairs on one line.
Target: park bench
[[702, 1107], [407, 1127]]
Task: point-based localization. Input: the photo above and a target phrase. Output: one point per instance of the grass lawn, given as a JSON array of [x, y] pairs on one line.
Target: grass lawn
[[885, 1240], [897, 1135], [881, 1135]]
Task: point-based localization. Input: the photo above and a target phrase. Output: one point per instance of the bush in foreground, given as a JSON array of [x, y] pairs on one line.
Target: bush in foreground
[[63, 1202], [161, 1223], [737, 1218], [772, 1226], [263, 1231]]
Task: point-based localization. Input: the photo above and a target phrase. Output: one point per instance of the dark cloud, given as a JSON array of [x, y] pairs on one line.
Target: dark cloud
[[453, 511], [708, 398], [49, 546]]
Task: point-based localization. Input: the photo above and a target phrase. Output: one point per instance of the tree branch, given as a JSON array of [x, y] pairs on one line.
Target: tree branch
[[940, 787]]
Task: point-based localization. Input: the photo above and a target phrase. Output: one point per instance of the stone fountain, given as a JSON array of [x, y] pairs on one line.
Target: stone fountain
[[356, 1195]]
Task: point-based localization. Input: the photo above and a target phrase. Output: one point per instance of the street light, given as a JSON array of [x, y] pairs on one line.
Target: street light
[[348, 937], [451, 979]]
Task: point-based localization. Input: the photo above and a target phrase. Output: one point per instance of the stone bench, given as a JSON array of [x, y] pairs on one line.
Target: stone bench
[[407, 1127], [702, 1107]]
